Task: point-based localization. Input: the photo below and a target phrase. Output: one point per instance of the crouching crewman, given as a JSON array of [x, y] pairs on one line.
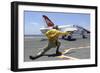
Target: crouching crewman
[[53, 42]]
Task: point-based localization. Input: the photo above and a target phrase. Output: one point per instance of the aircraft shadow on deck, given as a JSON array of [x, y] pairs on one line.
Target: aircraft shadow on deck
[[54, 54], [73, 39]]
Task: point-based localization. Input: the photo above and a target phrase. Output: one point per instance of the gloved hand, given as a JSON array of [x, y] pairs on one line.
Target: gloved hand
[[69, 32]]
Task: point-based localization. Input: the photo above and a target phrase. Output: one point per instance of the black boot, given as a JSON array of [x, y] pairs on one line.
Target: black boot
[[58, 53], [34, 57]]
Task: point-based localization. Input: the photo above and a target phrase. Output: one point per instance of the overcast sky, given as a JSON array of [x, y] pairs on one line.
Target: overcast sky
[[33, 21]]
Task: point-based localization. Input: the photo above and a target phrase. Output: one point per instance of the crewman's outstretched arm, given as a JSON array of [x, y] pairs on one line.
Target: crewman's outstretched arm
[[64, 33]]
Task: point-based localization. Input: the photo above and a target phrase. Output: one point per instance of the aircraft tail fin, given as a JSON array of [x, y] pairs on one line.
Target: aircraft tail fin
[[48, 21]]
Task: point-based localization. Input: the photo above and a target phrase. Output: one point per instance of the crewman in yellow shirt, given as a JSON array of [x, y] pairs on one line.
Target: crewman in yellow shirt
[[52, 35]]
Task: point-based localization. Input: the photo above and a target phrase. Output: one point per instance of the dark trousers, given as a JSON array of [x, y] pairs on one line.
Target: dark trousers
[[49, 46]]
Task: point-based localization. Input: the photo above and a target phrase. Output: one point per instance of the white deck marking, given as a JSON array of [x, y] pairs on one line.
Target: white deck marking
[[68, 57], [67, 50]]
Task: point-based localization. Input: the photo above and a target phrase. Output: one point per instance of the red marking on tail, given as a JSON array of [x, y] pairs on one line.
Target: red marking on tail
[[48, 21]]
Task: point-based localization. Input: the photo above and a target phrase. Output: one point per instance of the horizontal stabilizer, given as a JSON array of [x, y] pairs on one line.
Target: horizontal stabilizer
[[83, 29]]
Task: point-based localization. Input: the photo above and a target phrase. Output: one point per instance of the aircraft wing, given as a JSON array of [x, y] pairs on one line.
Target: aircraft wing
[[69, 29], [65, 28]]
